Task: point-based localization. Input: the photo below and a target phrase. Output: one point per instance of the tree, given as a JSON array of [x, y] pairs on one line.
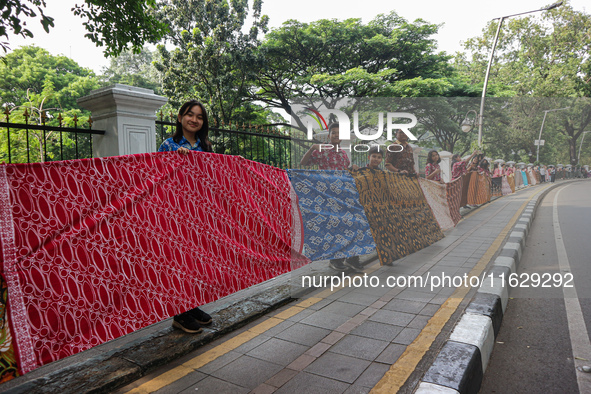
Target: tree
[[328, 59], [116, 25], [545, 56], [33, 79], [135, 69], [214, 60]]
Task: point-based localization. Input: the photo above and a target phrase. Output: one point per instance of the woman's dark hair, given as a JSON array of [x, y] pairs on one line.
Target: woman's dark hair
[[202, 134], [456, 157], [496, 166], [484, 164], [430, 157]]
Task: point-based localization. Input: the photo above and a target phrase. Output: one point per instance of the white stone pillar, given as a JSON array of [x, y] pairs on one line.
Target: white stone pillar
[[416, 150], [127, 114], [445, 165]]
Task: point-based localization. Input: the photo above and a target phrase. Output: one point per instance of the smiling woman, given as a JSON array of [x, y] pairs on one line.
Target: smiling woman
[[192, 130]]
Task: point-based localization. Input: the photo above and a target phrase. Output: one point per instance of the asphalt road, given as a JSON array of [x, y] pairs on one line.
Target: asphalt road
[[545, 332]]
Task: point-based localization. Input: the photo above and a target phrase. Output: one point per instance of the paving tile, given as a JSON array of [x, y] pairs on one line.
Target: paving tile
[[318, 349], [338, 366], [301, 362], [247, 372], [303, 334], [312, 384], [302, 315], [326, 320], [391, 354], [357, 390], [333, 337], [215, 385], [279, 328], [419, 322], [263, 389], [392, 317], [254, 342], [405, 306], [413, 295], [219, 362], [278, 351], [360, 347], [357, 297], [282, 377], [406, 336], [183, 383], [376, 330], [372, 375], [343, 308]]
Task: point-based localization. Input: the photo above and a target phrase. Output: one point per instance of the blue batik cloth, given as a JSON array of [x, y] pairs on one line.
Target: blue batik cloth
[[334, 223]]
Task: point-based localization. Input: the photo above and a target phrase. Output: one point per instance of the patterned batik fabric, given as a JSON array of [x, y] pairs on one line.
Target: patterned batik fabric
[[454, 198], [505, 186], [465, 188], [511, 181], [444, 200], [8, 364], [398, 213], [479, 189], [97, 248], [436, 195], [332, 159], [333, 223]]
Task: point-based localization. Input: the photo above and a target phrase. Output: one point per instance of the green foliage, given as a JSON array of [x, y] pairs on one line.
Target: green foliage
[[116, 25], [545, 56], [214, 60], [134, 69], [12, 12], [329, 59], [31, 79]]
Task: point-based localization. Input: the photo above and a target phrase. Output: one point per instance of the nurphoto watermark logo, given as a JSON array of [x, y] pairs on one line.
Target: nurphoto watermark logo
[[315, 119]]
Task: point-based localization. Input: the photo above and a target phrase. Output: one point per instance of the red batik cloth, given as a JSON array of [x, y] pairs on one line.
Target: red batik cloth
[[97, 248]]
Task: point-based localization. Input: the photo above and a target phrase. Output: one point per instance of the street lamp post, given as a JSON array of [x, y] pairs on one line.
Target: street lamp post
[[581, 145], [490, 59], [542, 128]]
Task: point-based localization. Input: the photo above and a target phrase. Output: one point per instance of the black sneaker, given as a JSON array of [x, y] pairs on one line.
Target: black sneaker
[[201, 317], [337, 265], [187, 323], [354, 264]]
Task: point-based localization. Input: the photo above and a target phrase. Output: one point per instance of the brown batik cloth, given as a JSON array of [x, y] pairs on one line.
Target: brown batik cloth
[[398, 214]]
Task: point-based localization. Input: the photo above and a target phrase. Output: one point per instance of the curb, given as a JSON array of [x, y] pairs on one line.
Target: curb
[[460, 364]]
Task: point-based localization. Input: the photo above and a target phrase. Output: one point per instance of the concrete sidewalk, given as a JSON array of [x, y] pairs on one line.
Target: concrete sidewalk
[[379, 335]]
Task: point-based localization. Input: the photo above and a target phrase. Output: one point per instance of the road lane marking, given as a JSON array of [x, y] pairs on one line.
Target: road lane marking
[[577, 328]]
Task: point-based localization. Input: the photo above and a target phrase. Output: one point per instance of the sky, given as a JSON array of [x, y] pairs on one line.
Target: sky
[[461, 19]]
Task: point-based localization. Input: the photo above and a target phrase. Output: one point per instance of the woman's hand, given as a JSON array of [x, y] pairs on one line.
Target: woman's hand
[[183, 151]]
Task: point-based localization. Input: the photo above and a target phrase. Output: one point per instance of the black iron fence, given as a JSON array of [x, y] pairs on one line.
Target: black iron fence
[[38, 142], [263, 144]]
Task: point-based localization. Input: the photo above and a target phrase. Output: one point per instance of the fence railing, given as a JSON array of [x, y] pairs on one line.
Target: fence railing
[[258, 143], [26, 143]]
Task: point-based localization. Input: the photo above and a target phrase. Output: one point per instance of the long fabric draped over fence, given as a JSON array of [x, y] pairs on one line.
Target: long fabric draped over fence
[[444, 200], [398, 213], [97, 248], [333, 220]]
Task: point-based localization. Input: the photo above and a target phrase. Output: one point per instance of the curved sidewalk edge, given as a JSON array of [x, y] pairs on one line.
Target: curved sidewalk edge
[[460, 364]]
